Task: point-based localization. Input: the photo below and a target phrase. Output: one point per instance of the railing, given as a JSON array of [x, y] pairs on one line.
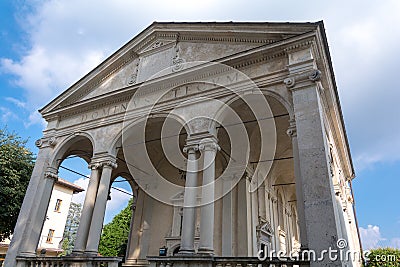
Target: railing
[[254, 262], [68, 261], [226, 261]]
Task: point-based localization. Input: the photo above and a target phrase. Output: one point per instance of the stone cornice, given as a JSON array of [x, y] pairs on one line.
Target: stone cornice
[[270, 51]]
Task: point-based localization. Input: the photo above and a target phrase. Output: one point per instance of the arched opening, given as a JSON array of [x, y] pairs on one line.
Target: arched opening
[[61, 223]]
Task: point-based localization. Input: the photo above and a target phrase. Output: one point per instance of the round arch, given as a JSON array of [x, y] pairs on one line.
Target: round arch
[[81, 144]]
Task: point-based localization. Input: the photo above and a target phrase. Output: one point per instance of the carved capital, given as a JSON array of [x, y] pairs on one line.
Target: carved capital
[[51, 175], [292, 130], [209, 144], [52, 141], [289, 82], [95, 165], [111, 164], [46, 142], [39, 142], [313, 76], [190, 149]]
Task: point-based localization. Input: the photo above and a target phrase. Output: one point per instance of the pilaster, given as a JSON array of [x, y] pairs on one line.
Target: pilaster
[[312, 167]]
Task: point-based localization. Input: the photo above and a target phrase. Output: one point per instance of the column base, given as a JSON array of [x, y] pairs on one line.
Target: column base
[[77, 253], [186, 252], [27, 254], [91, 253], [206, 251]]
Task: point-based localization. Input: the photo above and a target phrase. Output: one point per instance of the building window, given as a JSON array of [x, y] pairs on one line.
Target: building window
[[50, 236], [58, 205]]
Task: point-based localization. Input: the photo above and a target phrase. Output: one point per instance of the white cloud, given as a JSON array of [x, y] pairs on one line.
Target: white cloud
[[7, 115], [64, 43], [17, 102], [371, 238], [80, 197]]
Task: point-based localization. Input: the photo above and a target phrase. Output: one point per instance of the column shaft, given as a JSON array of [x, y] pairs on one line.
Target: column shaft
[[317, 187], [24, 223], [87, 211], [30, 244], [189, 202], [98, 212], [207, 199], [299, 188]]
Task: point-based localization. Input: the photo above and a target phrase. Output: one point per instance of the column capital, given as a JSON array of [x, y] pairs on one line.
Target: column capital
[[110, 163], [51, 173], [209, 144], [100, 162], [191, 148], [46, 142], [94, 165], [292, 130], [304, 77]]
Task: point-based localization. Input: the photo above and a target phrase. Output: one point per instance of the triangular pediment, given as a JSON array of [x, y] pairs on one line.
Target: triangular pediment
[[162, 45]]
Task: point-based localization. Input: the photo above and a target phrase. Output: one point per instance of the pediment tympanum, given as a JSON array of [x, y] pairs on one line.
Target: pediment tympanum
[[163, 47]]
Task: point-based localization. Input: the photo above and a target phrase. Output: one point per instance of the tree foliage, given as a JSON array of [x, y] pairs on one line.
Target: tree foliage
[[114, 238], [388, 257], [71, 228], [16, 165]]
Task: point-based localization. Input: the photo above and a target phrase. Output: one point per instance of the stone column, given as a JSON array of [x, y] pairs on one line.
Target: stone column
[[136, 233], [30, 245], [317, 187], [132, 233], [229, 218], [99, 209], [87, 210], [299, 186], [261, 202], [189, 201], [209, 146], [25, 220]]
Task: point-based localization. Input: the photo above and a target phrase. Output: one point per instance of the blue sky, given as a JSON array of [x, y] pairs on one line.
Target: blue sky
[[47, 45]]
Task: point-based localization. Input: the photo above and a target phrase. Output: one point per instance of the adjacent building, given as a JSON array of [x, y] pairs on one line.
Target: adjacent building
[[51, 236]]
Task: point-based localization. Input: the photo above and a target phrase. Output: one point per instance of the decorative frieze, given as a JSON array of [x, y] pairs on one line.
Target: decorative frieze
[[177, 61], [132, 78]]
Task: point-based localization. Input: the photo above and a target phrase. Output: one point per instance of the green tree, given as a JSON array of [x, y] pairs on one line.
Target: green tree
[[16, 165], [114, 237], [71, 228], [388, 257]]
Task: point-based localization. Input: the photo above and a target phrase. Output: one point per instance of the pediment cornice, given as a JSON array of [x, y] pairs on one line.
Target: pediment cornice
[[159, 35]]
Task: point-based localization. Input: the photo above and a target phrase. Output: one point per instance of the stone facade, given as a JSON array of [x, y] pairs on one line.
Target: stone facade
[[231, 135]]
